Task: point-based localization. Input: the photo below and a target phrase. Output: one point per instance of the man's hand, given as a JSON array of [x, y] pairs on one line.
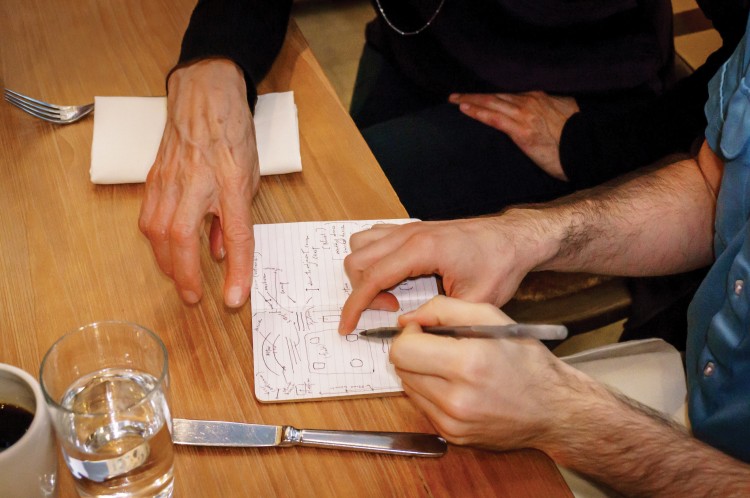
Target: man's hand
[[533, 120], [494, 393], [481, 259], [514, 393], [207, 164]]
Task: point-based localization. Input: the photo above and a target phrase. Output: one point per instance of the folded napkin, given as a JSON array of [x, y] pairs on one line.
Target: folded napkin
[[128, 130]]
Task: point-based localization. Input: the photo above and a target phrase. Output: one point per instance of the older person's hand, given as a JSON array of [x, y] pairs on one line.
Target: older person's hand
[[493, 393], [207, 164], [533, 120]]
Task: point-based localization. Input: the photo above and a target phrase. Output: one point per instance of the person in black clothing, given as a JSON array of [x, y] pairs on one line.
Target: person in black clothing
[[598, 71]]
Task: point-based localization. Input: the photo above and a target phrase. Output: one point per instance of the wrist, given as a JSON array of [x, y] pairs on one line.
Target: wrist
[[579, 409], [535, 236], [211, 71]]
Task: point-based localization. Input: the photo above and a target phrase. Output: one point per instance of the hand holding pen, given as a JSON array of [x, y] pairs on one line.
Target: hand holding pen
[[453, 318], [493, 394]]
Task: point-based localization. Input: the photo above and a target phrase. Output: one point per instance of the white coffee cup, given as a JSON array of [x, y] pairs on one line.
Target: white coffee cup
[[28, 468]]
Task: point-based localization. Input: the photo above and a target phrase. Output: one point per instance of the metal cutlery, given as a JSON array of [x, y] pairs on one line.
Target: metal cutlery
[[58, 114], [235, 434]]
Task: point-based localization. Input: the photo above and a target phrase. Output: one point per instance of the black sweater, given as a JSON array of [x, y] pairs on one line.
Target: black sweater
[[596, 147], [581, 48]]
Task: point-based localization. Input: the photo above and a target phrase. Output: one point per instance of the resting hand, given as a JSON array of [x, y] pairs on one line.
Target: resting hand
[[494, 393], [207, 164], [481, 259], [533, 120]]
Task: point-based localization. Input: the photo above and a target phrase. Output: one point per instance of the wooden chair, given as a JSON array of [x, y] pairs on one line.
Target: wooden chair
[[581, 301]]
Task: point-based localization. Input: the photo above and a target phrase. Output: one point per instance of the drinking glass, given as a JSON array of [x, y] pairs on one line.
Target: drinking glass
[[106, 386]]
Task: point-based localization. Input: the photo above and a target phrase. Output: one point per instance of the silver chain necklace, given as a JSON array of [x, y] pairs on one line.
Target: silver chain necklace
[[409, 33]]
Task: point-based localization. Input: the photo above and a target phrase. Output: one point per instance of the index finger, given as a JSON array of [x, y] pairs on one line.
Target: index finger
[[503, 103], [403, 261], [369, 246], [364, 238]]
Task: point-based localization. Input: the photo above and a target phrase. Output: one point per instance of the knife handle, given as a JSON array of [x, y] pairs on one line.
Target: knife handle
[[394, 443]]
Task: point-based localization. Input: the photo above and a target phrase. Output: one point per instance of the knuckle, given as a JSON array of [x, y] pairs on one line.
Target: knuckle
[[474, 366], [536, 120], [157, 231], [199, 176], [370, 274], [143, 225], [422, 242], [526, 115], [395, 352], [496, 122], [485, 100], [438, 301], [525, 135], [354, 238], [181, 233], [451, 429], [237, 232], [458, 404], [350, 265], [456, 408]]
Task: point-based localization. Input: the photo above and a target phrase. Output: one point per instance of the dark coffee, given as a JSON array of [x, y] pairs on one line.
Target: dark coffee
[[14, 422]]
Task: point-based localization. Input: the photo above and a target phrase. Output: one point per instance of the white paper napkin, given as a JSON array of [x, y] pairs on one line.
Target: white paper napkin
[[128, 130]]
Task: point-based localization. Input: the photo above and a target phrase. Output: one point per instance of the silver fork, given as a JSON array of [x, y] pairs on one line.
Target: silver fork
[[59, 114]]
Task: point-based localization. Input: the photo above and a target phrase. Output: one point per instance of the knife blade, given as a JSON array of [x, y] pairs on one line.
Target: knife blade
[[236, 434], [533, 330]]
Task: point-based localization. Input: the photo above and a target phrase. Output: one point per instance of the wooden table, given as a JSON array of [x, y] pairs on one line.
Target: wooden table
[[72, 254]]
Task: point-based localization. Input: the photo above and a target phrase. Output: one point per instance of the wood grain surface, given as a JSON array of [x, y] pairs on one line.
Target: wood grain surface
[[71, 253]]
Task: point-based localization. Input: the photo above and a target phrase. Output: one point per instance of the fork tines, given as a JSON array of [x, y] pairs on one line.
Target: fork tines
[[46, 111], [32, 106]]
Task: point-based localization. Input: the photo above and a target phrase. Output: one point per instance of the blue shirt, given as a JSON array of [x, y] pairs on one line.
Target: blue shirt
[[718, 347]]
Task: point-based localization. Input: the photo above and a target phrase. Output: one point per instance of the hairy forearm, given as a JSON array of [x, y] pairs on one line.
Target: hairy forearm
[[638, 453], [655, 223]]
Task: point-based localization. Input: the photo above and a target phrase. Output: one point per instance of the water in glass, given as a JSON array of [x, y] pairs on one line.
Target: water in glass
[[118, 441]]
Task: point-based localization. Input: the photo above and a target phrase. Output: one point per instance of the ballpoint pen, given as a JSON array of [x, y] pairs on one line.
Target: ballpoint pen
[[544, 332]]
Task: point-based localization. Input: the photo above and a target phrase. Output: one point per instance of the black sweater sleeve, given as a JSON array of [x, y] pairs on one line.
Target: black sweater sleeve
[[249, 32], [597, 146]]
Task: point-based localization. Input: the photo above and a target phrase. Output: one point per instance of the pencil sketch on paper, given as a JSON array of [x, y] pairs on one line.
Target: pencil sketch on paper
[[299, 287]]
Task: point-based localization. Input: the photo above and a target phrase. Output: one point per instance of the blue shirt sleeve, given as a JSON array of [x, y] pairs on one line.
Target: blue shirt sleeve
[[726, 109]]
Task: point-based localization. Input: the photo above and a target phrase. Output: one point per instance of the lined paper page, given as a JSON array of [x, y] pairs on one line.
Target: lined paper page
[[299, 287]]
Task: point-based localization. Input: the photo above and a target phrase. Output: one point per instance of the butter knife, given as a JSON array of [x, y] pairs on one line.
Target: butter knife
[[235, 434]]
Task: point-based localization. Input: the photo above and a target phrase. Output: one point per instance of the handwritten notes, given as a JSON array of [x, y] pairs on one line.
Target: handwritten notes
[[299, 287]]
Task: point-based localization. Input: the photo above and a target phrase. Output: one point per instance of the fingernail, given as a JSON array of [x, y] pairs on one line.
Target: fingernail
[[222, 253], [234, 296], [190, 297]]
